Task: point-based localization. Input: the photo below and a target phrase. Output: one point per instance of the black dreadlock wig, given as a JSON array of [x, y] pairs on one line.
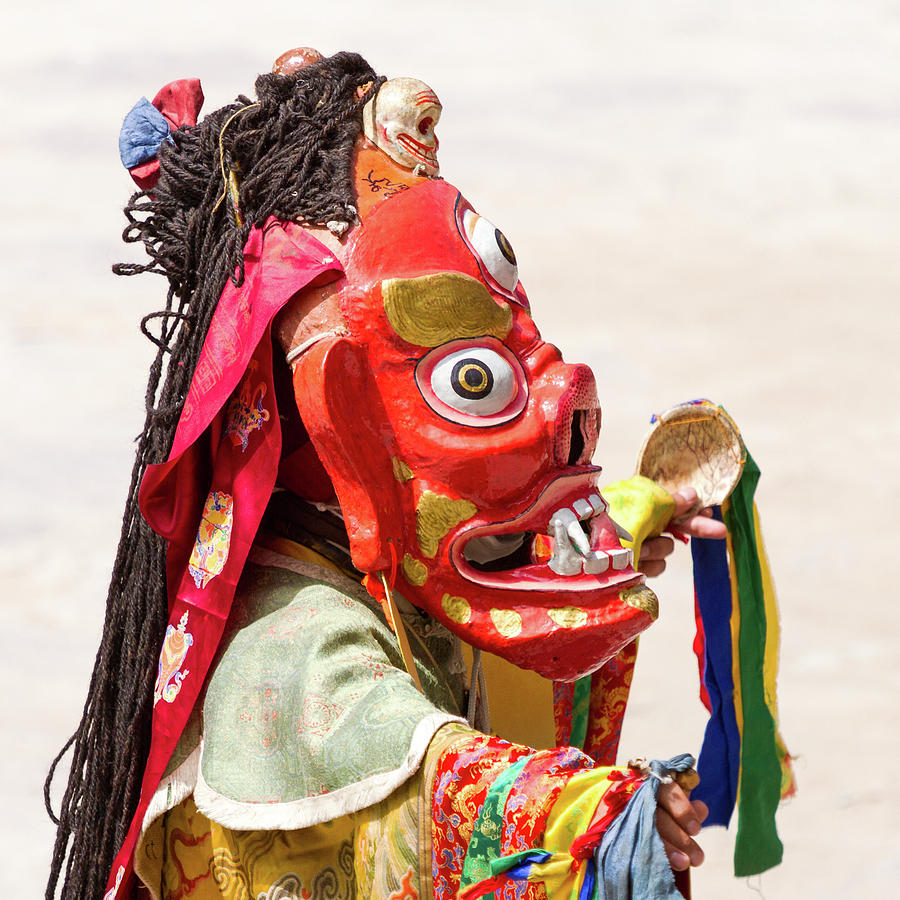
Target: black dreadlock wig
[[290, 155]]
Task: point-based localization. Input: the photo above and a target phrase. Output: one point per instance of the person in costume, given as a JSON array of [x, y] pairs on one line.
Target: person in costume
[[359, 456]]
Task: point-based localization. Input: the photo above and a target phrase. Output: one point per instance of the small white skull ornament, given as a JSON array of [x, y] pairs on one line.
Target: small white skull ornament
[[400, 120]]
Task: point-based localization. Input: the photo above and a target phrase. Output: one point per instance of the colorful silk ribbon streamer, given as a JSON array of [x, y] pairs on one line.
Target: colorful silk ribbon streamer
[[743, 761]]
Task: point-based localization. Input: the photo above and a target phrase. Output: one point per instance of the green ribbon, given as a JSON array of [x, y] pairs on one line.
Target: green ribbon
[[581, 707], [757, 846], [487, 835]]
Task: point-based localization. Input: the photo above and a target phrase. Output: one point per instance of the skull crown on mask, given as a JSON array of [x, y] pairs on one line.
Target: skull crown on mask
[[400, 120]]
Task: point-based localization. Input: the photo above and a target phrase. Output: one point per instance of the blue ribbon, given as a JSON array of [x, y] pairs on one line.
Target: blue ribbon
[[590, 880], [719, 763], [523, 865]]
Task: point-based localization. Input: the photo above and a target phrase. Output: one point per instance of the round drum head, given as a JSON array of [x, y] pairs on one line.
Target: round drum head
[[694, 445]]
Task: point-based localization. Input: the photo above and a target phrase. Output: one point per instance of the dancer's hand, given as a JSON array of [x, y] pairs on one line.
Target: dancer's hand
[[678, 820], [688, 521]]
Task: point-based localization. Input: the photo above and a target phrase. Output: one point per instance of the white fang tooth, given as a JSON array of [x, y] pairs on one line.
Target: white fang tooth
[[569, 521], [597, 562], [565, 561], [622, 533], [598, 504], [564, 516], [583, 509], [620, 559]]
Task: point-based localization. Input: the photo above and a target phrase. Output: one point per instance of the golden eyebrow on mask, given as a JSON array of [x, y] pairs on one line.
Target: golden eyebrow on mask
[[433, 309]]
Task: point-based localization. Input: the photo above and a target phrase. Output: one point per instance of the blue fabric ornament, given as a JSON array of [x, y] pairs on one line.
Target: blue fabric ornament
[[142, 134]]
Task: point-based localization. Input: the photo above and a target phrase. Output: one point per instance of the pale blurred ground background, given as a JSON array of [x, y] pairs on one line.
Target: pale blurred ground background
[[704, 200]]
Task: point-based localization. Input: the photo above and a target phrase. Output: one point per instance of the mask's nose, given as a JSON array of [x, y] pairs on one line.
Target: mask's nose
[[577, 419]]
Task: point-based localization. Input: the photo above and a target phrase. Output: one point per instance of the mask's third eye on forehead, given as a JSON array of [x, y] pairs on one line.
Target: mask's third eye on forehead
[[492, 250]]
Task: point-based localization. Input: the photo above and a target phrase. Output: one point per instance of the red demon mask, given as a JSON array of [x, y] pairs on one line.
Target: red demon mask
[[459, 443]]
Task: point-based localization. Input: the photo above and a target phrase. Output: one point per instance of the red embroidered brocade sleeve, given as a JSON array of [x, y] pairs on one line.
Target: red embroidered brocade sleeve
[[493, 799]]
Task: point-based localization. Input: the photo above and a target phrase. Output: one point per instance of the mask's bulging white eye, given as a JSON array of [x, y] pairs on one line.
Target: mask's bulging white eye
[[475, 380], [495, 252], [473, 384]]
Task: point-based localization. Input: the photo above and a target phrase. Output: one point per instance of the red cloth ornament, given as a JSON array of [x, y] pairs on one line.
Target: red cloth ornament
[[179, 102], [208, 498]]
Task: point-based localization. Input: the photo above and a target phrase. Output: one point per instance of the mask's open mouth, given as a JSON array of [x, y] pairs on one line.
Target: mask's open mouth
[[501, 552], [564, 541]]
